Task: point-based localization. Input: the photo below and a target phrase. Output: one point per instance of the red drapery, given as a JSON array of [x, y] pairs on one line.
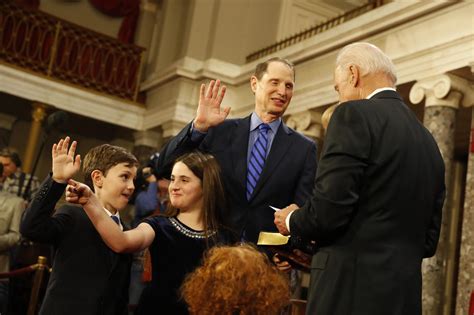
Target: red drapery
[[128, 9]]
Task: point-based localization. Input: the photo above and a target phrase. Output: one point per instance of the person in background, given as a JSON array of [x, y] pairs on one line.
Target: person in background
[[15, 181], [152, 194], [326, 116], [151, 198], [236, 280], [11, 210]]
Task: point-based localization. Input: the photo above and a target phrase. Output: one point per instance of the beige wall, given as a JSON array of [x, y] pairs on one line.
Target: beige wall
[[170, 34], [244, 26], [227, 30], [84, 14]]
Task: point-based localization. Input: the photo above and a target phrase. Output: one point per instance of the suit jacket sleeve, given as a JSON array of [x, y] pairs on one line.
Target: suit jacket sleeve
[[339, 177], [305, 184], [38, 223], [12, 236], [176, 147], [434, 227]]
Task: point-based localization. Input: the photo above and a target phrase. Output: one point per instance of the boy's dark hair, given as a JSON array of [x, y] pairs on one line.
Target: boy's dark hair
[[262, 67], [12, 154], [103, 158]]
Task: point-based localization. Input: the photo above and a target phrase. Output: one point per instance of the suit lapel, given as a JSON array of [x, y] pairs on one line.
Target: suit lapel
[[281, 144], [240, 143]]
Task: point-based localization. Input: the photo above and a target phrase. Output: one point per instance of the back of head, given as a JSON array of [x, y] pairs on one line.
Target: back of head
[[12, 154], [104, 157], [327, 114], [262, 67], [236, 280], [368, 58]]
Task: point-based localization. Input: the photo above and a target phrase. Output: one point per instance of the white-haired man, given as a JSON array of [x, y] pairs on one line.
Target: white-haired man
[[379, 191]]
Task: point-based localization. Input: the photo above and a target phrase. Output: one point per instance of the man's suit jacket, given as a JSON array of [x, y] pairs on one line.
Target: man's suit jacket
[[287, 177], [87, 277], [375, 212], [11, 209]]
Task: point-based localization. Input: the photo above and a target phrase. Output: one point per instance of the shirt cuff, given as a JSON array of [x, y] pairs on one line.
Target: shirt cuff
[[287, 221], [196, 135]]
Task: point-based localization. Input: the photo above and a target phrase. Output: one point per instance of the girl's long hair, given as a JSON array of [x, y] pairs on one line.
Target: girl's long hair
[[207, 169]]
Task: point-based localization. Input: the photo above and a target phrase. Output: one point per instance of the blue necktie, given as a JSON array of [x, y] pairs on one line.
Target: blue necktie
[[116, 220], [257, 159]]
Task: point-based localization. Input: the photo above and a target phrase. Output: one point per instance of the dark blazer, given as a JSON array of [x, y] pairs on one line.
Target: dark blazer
[[288, 175], [87, 277], [375, 211]]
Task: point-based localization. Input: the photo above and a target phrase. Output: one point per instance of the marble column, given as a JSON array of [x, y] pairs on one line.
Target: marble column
[[443, 95], [147, 25], [465, 281], [309, 124], [146, 143], [38, 114], [6, 124]]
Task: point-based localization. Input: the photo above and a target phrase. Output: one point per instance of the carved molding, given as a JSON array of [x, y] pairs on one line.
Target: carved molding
[[147, 138], [443, 90], [172, 128], [122, 143], [307, 122], [72, 99]]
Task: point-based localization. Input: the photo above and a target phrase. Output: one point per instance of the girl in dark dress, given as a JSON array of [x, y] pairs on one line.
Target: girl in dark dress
[[176, 241]]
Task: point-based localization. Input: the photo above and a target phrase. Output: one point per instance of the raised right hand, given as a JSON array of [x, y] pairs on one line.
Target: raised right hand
[[209, 112], [65, 164]]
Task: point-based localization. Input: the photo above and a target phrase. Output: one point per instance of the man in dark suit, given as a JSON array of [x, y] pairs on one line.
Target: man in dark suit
[[379, 191], [288, 159], [87, 277]]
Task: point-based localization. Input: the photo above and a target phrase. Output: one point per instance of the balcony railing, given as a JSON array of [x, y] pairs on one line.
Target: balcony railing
[[60, 50], [372, 4]]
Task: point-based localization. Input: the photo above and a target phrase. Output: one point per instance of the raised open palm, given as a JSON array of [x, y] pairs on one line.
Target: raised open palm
[[65, 163], [209, 112]]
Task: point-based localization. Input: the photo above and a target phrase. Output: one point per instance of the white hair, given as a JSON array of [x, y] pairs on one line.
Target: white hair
[[369, 58]]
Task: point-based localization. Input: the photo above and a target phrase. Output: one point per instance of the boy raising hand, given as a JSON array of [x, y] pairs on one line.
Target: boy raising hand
[[87, 277]]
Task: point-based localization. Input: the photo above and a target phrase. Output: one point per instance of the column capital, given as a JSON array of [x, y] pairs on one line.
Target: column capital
[[147, 138], [443, 90], [172, 127], [307, 122], [39, 111]]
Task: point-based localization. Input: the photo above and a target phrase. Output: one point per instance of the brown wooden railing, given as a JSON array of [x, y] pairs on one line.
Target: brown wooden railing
[[314, 30], [57, 49]]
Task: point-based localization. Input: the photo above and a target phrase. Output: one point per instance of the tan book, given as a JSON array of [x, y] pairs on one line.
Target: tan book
[[292, 249]]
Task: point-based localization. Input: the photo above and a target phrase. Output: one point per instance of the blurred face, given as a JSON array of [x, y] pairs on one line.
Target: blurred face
[[273, 92], [9, 167], [163, 185], [185, 189], [344, 85], [116, 187]]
